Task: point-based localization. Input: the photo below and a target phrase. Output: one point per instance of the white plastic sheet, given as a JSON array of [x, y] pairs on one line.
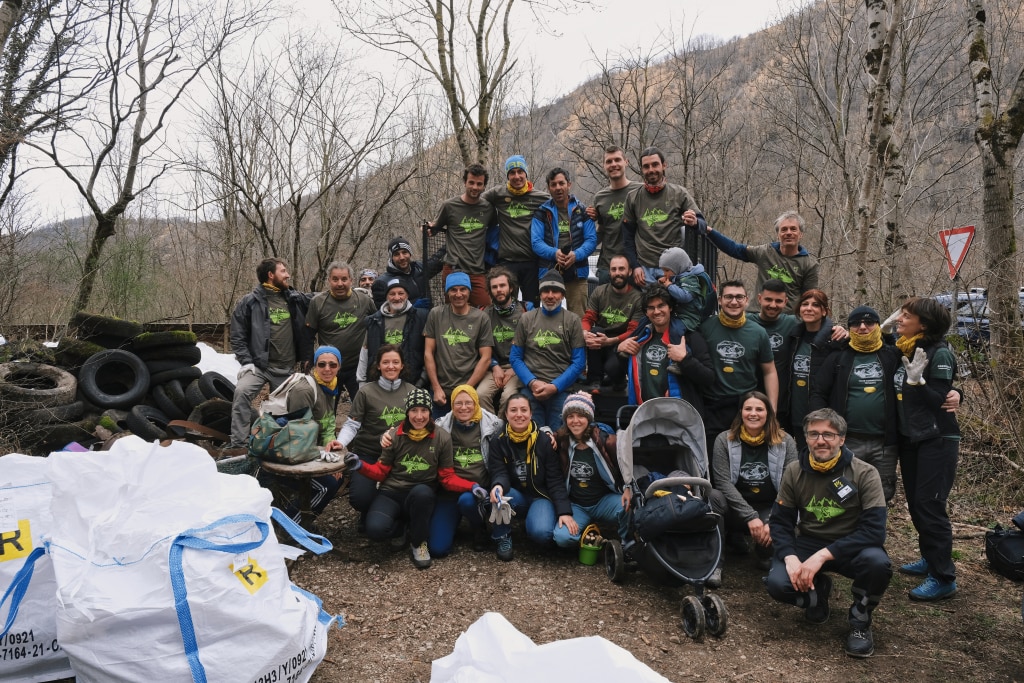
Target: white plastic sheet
[[29, 650], [167, 570], [492, 651]]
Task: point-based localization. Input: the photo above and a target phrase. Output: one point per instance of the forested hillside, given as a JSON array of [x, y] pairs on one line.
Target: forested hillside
[[299, 155]]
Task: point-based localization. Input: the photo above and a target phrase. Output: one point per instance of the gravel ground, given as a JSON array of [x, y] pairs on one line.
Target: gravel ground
[[399, 619]]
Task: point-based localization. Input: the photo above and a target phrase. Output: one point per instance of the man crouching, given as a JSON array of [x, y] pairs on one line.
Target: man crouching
[[836, 503]]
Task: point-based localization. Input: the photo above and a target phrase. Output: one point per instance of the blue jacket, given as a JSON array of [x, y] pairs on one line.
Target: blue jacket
[[696, 371], [544, 235]]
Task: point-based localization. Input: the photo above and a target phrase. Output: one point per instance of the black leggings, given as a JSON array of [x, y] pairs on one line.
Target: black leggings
[[415, 506]]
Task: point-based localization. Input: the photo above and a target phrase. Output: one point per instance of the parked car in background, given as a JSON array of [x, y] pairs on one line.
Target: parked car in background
[[973, 294], [972, 320]]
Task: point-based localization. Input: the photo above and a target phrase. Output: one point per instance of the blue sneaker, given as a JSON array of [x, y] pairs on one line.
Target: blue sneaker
[[915, 568], [933, 589]]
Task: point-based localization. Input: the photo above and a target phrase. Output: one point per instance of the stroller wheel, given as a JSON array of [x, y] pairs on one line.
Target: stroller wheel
[[715, 615], [614, 561], [692, 614]]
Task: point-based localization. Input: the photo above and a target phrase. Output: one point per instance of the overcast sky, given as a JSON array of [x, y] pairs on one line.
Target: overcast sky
[[607, 28]]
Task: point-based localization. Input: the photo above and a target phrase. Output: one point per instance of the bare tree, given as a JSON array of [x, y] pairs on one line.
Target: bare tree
[[465, 46], [152, 51], [882, 152], [997, 137], [295, 136], [43, 79]]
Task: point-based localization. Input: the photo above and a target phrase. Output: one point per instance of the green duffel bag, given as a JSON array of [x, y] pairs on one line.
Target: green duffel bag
[[292, 443]]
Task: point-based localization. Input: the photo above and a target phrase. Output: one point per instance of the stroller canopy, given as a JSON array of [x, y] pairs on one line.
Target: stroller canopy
[[677, 424]]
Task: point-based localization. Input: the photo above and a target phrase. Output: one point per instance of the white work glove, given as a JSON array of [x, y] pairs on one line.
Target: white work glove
[[328, 456], [915, 368], [889, 324], [502, 513], [244, 369]]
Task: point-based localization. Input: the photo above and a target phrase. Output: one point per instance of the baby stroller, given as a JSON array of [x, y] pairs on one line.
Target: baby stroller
[[674, 533]]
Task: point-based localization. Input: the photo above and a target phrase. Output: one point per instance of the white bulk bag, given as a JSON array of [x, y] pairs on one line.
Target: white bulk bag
[[168, 570], [29, 650], [491, 650]]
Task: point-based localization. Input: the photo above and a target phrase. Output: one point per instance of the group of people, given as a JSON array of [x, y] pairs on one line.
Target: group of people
[[465, 409]]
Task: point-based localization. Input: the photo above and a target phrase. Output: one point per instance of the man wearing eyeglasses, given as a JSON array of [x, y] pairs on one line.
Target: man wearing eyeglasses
[[835, 502], [338, 318], [743, 360]]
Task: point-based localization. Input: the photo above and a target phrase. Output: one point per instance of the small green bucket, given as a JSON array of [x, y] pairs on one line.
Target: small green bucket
[[588, 553]]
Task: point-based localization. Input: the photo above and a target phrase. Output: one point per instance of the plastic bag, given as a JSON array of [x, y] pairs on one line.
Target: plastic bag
[[168, 571], [492, 651], [29, 648]]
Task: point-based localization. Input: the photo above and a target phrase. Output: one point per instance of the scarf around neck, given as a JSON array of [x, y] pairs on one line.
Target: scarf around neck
[[824, 466], [866, 343], [731, 323], [751, 440], [907, 344], [519, 193]]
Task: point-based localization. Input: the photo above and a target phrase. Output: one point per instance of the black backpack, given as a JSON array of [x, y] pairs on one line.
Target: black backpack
[[1004, 549]]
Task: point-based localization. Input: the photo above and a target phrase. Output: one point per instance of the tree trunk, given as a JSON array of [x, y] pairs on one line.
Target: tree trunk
[[878, 60], [10, 12], [105, 226], [997, 136]]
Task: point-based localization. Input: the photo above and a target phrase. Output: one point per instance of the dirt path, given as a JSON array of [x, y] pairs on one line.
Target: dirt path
[[400, 619]]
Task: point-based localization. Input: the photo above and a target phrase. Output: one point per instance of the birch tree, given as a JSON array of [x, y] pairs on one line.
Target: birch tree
[[997, 136]]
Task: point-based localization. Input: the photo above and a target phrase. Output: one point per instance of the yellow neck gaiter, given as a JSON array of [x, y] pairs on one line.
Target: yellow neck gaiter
[[824, 466], [730, 322], [906, 344], [519, 193], [749, 439], [332, 385], [866, 343], [417, 434], [270, 288]]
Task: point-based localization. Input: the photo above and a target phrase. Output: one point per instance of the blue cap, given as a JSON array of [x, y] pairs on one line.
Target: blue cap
[[516, 161], [321, 350], [456, 279]]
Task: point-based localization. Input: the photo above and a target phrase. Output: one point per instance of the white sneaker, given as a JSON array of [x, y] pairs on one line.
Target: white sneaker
[[420, 555]]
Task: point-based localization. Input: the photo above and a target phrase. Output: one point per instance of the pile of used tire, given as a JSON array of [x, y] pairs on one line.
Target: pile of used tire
[[111, 376]]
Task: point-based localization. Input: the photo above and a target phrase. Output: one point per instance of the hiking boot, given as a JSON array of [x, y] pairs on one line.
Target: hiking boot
[[820, 612], [764, 563], [933, 589], [715, 580], [420, 555], [915, 568], [860, 643], [505, 548]]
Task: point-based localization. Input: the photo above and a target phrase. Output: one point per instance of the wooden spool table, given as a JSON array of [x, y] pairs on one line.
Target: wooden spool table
[[307, 471]]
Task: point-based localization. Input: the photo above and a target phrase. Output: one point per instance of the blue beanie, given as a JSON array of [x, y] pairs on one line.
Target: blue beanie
[[321, 350], [456, 279], [516, 161]]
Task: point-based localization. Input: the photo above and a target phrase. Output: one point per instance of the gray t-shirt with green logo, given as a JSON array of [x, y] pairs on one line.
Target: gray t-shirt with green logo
[[467, 232], [658, 219], [281, 355], [611, 206], [458, 340], [341, 323], [376, 410], [616, 308], [503, 329], [547, 341], [515, 216], [467, 454]]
